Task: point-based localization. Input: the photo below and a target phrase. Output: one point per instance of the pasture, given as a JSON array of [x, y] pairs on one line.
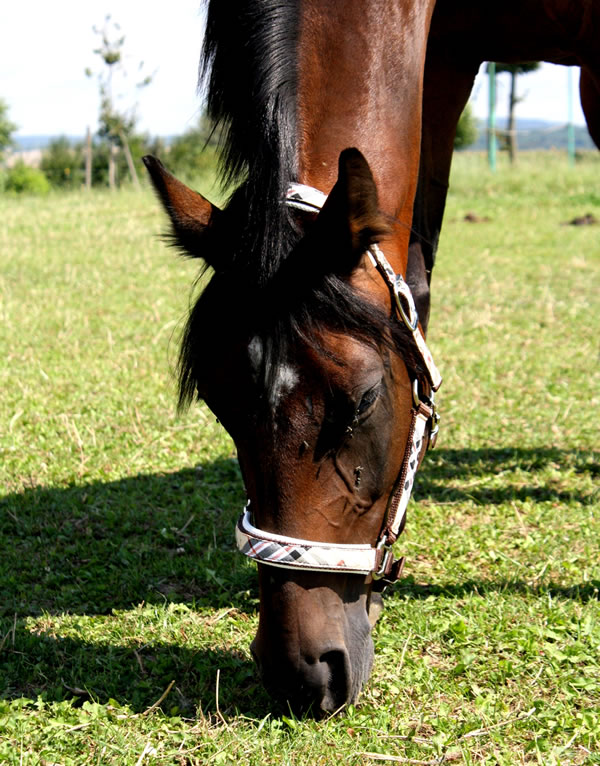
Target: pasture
[[125, 611]]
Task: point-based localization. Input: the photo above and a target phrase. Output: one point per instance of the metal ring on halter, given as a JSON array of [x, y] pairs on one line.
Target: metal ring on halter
[[411, 320], [415, 393]]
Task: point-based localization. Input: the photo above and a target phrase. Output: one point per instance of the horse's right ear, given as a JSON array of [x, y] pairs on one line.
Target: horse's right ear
[[190, 213]]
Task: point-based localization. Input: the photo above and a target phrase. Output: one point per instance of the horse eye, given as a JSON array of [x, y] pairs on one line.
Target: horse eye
[[368, 400]]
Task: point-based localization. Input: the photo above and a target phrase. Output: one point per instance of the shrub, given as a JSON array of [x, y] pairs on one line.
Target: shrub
[[193, 155], [22, 179], [466, 130], [63, 164], [139, 145]]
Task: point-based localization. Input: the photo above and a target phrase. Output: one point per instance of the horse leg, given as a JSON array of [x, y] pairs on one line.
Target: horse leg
[[589, 91], [446, 90]]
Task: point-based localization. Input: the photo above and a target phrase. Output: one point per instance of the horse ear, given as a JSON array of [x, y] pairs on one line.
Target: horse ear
[[350, 221], [191, 214]]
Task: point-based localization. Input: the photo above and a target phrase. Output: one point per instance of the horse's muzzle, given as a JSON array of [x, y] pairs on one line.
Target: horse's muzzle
[[313, 647], [315, 685]]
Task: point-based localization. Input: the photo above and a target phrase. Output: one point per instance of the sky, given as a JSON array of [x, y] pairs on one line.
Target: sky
[[544, 90], [45, 48]]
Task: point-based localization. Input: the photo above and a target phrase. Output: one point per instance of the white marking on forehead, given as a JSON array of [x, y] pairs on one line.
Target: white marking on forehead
[[285, 381], [285, 378], [255, 351]]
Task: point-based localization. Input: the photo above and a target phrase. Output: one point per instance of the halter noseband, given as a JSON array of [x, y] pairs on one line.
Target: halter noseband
[[378, 561]]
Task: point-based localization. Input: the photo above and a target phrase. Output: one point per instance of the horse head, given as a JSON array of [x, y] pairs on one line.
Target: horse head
[[317, 381]]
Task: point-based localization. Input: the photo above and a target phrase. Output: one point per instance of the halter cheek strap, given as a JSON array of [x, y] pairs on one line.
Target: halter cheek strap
[[377, 561]]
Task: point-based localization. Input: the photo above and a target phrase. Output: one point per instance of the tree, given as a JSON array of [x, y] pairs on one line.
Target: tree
[[116, 125], [7, 128], [194, 153], [514, 70], [466, 130]]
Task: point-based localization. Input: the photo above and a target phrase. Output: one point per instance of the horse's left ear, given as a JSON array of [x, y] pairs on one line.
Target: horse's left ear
[[350, 221], [191, 214]]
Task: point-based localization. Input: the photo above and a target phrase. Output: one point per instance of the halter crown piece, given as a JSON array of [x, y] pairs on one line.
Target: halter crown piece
[[377, 561]]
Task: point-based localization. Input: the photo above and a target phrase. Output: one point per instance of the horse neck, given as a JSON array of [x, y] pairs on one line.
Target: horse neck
[[360, 84]]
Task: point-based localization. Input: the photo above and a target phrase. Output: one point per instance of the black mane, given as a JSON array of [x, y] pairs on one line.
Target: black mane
[[249, 71]]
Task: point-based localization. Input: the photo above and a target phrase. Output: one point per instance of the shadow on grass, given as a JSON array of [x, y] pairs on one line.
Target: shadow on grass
[[58, 668], [583, 592], [102, 546], [444, 471], [169, 538]]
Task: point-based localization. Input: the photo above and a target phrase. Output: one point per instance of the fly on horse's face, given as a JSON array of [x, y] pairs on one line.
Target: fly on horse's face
[[313, 387]]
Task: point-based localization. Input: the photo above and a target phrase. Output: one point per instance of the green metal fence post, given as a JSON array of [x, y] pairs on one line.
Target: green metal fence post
[[491, 67], [570, 125]]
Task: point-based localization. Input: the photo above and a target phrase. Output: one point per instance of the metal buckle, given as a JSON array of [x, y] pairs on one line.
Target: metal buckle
[[381, 572], [435, 417]]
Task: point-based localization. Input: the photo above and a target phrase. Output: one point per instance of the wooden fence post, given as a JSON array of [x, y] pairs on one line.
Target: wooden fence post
[[88, 159], [129, 159], [112, 167]]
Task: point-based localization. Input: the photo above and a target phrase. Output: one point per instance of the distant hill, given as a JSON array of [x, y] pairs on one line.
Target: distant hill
[[536, 134], [28, 143], [532, 134]]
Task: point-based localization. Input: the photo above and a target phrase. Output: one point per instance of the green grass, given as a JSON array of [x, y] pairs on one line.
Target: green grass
[[118, 572]]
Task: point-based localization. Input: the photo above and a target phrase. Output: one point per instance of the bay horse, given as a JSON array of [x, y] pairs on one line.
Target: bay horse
[[305, 343], [464, 34]]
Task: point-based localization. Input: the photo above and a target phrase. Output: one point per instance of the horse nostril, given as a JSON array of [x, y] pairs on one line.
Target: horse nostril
[[335, 680], [336, 661], [321, 683]]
